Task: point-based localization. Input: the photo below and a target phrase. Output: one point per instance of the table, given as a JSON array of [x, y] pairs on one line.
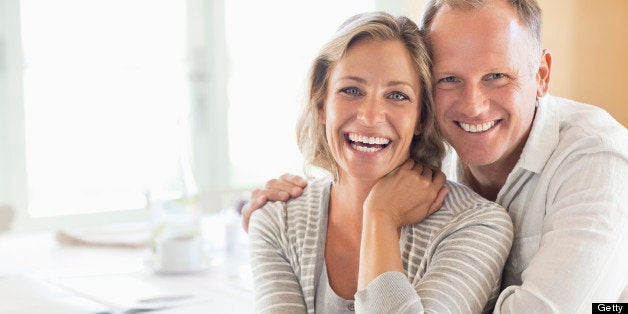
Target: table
[[39, 275]]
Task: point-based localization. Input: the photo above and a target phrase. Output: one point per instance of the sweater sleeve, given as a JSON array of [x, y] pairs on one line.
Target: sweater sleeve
[[277, 289], [463, 265]]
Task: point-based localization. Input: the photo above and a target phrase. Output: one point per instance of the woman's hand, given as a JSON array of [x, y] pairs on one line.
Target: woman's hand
[[286, 187], [408, 194]]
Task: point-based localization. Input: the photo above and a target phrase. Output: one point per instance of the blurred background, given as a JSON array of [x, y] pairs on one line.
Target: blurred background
[[105, 105]]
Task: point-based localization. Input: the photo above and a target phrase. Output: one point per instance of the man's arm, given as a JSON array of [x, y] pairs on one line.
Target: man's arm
[[290, 186], [583, 251], [286, 187]]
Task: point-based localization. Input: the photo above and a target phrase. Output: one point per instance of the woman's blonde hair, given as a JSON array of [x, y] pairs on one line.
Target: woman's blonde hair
[[427, 147]]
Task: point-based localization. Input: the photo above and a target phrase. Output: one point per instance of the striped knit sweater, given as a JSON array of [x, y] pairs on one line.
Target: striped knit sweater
[[452, 260]]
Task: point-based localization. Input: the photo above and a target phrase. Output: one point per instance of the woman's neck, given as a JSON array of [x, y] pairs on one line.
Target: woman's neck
[[348, 196], [344, 235]]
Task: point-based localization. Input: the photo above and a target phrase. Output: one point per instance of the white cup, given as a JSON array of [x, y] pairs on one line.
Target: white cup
[[179, 255]]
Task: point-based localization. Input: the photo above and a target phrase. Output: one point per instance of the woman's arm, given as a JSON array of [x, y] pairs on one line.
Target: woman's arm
[[405, 196], [463, 264], [277, 289]]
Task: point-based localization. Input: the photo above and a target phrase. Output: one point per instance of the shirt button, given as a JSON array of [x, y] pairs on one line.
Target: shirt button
[[351, 307]]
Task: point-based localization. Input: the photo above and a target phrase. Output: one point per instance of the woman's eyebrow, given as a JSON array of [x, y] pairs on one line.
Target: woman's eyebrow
[[353, 78]]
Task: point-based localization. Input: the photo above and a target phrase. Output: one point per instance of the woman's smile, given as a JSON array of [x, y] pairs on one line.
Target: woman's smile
[[365, 143], [371, 109]]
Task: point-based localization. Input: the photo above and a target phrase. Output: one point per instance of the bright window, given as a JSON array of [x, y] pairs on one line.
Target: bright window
[[107, 94], [105, 98], [271, 45]]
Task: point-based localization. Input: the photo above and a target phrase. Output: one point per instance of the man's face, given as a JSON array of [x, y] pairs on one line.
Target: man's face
[[484, 90]]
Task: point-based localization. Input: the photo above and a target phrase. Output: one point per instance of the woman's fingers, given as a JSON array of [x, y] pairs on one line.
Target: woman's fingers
[[438, 202]]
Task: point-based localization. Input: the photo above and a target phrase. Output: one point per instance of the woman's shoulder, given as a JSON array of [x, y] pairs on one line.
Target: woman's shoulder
[[461, 197], [298, 211], [463, 203], [464, 208]]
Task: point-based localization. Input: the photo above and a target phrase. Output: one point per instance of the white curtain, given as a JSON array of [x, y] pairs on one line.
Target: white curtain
[[12, 167]]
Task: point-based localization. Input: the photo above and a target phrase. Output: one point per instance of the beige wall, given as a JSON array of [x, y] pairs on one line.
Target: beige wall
[[589, 43]]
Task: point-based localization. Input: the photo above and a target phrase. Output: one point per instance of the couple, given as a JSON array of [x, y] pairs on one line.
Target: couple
[[558, 167]]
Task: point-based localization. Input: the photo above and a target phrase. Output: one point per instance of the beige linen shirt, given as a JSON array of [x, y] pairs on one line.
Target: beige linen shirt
[[567, 197]]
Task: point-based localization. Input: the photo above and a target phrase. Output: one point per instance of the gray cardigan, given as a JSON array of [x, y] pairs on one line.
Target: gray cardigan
[[452, 260]]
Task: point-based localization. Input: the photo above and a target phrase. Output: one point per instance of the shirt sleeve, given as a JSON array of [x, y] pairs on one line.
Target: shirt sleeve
[[583, 252], [277, 289], [463, 269]]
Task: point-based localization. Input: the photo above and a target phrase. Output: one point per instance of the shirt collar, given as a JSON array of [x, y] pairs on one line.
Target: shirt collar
[[540, 145], [543, 137]]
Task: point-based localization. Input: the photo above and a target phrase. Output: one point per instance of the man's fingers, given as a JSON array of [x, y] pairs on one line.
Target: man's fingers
[[249, 208], [296, 180], [281, 190]]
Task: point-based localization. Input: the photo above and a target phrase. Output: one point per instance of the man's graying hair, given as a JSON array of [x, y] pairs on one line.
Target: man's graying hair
[[528, 10]]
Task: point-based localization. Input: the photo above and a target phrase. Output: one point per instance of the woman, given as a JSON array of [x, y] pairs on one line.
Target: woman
[[369, 118]]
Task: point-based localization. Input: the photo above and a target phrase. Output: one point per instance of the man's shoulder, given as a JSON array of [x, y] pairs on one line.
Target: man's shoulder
[[580, 122]]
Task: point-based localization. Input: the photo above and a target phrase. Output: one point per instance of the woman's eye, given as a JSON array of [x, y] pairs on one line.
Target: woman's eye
[[398, 96], [351, 91]]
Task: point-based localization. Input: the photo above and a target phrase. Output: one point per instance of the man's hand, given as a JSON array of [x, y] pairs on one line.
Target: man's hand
[[286, 187], [408, 194]]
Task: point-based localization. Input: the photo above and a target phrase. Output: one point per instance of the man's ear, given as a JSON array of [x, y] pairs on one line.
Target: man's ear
[[543, 74]]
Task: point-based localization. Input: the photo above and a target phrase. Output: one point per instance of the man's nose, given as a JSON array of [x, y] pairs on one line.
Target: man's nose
[[371, 111], [474, 101]]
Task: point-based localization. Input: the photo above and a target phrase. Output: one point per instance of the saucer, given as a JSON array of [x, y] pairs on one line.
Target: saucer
[[176, 270]]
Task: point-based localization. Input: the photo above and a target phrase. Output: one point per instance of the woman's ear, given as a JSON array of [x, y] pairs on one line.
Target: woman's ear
[[322, 117]]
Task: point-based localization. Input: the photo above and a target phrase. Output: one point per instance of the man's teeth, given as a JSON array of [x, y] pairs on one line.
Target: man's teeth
[[475, 128], [368, 140]]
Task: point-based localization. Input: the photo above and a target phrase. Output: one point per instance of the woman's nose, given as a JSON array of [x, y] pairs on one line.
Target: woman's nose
[[371, 112]]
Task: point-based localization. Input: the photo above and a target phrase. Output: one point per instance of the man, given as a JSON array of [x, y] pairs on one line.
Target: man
[[559, 167]]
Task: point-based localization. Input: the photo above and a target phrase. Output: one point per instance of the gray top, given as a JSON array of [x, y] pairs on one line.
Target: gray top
[[327, 301], [452, 260]]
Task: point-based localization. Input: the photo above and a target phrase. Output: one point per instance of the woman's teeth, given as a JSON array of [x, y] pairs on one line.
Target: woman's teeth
[[366, 149], [368, 140], [367, 144], [475, 128]]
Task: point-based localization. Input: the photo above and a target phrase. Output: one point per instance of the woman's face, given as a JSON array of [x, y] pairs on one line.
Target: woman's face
[[371, 108]]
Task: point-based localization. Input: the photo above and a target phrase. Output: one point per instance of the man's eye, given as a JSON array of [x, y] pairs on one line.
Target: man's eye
[[448, 79], [398, 96], [495, 76], [351, 91]]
